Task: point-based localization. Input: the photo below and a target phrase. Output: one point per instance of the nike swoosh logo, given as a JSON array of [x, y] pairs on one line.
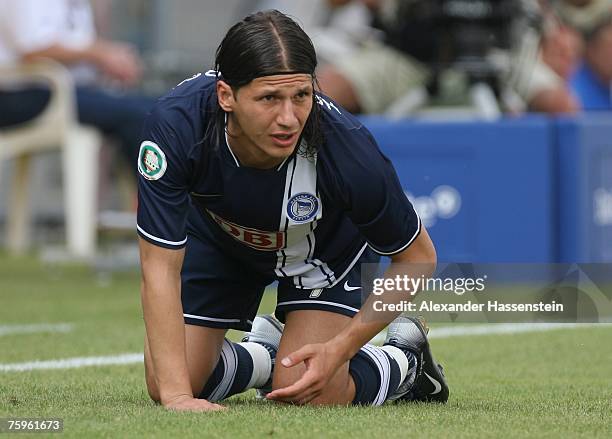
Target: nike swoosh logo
[[348, 288], [437, 385]]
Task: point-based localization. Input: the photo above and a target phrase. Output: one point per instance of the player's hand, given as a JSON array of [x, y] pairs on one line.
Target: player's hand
[[321, 361], [187, 403]]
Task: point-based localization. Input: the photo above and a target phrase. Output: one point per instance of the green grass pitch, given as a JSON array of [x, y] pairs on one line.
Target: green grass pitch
[[539, 384]]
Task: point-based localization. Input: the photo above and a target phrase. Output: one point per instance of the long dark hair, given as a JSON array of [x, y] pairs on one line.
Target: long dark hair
[[264, 44]]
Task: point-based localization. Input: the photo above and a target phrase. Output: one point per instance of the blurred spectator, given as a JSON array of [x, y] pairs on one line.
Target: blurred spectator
[[371, 78], [581, 15], [592, 82], [560, 50], [337, 28], [63, 30], [416, 43]]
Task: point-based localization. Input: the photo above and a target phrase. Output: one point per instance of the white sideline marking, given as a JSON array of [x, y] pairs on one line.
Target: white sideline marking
[[34, 328], [441, 332], [505, 328], [494, 328], [70, 363]]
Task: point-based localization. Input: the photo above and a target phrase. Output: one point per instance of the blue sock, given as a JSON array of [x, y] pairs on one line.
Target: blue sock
[[241, 366]]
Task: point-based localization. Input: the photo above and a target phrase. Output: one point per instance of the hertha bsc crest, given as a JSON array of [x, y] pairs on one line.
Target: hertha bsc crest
[[302, 207]]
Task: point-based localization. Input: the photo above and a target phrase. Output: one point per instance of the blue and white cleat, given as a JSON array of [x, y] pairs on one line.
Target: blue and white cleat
[[266, 331], [409, 333]]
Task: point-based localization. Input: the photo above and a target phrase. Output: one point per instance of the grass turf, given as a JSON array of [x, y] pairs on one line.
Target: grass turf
[[547, 384]]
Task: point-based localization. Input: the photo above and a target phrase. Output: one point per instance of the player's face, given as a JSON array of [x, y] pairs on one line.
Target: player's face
[[266, 117]]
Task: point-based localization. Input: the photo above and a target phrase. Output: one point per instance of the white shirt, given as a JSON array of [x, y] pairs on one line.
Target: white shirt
[[31, 25]]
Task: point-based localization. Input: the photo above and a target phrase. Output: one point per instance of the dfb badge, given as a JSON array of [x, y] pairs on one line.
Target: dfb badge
[[151, 161]]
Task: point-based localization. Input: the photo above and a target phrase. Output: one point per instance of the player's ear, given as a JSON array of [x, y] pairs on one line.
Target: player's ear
[[225, 96]]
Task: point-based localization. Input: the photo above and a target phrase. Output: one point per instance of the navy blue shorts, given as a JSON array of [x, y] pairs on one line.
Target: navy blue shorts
[[219, 291]]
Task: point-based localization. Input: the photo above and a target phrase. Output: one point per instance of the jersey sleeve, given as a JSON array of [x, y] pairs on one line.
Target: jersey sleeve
[[163, 182], [372, 195]]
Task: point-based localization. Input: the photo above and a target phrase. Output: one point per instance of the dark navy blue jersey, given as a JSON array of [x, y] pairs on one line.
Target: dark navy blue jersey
[[306, 221]]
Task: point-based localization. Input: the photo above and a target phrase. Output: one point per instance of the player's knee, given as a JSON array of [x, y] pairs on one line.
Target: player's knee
[[153, 390], [336, 392], [151, 383], [197, 387], [283, 377], [339, 391]]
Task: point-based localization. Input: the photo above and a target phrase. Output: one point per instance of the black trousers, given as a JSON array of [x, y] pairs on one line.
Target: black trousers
[[117, 115]]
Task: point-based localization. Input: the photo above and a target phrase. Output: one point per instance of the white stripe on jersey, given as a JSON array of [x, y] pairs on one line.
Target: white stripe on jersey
[[295, 259], [351, 265], [405, 246], [163, 241]]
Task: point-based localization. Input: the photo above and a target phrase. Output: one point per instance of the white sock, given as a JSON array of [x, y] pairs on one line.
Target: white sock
[[400, 358], [262, 364]]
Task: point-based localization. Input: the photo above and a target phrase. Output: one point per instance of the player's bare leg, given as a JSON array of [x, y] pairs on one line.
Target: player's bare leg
[[203, 347], [304, 327], [371, 377]]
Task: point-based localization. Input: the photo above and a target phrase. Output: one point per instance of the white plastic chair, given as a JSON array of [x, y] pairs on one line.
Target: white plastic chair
[[55, 128]]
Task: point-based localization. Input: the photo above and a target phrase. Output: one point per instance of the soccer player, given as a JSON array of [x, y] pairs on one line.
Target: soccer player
[[249, 176]]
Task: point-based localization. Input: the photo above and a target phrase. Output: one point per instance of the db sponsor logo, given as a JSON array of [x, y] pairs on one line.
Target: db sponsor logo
[[602, 207], [443, 203], [257, 239]]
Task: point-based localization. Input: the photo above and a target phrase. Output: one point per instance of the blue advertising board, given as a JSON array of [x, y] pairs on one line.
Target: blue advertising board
[[484, 190], [584, 184]]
